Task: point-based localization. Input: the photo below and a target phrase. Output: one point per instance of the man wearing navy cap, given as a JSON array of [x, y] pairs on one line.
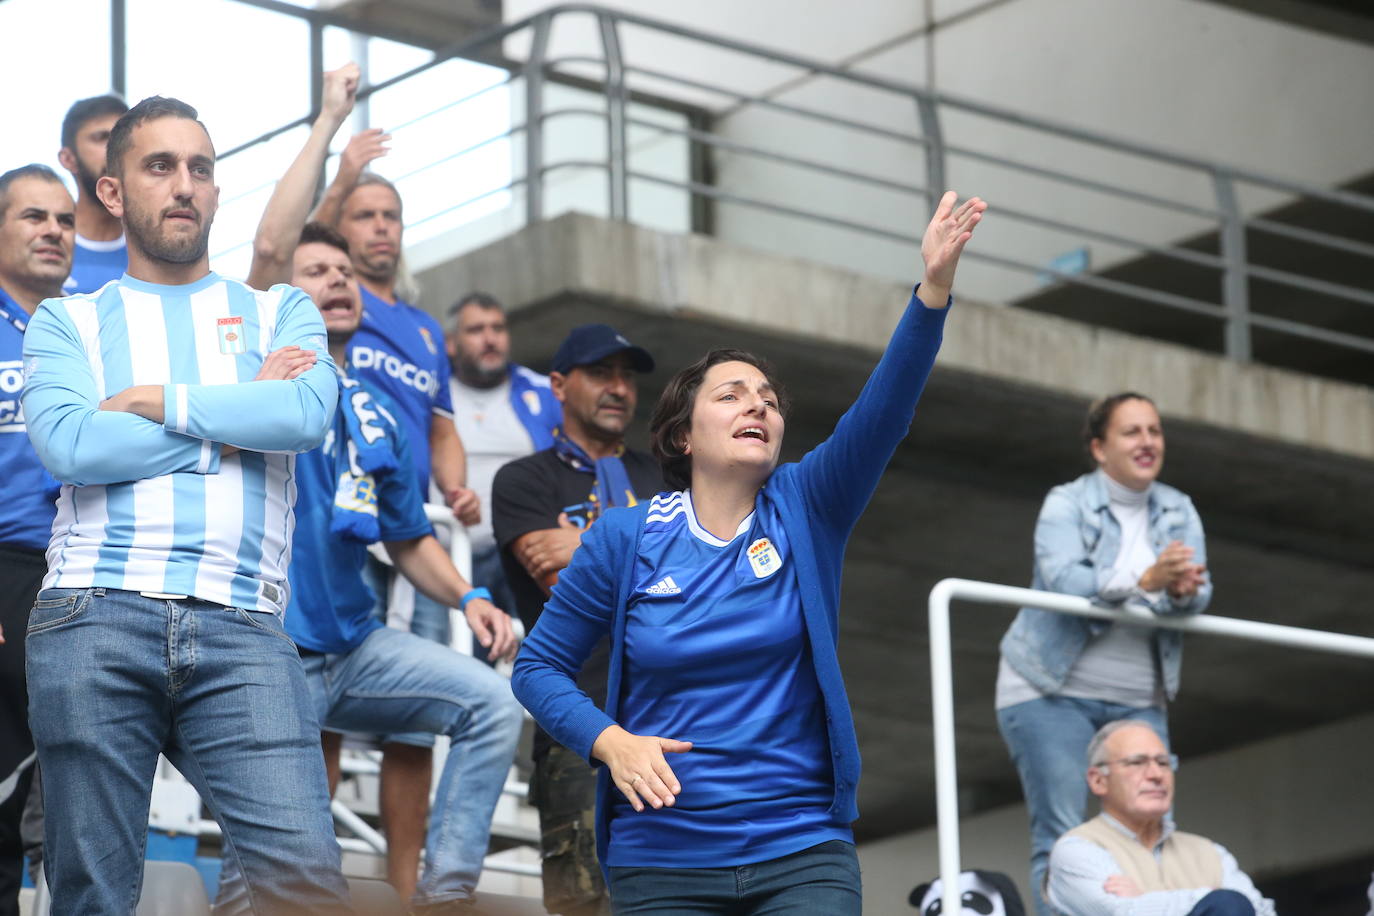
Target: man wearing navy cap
[[540, 507]]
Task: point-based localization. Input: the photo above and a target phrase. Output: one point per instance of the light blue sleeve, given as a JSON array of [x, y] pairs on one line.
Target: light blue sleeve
[[267, 416], [79, 443], [1233, 879], [1063, 563], [1078, 870]]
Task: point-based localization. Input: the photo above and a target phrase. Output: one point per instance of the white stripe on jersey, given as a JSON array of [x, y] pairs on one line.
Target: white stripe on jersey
[[223, 502], [665, 507], [268, 303], [85, 316], [154, 513]]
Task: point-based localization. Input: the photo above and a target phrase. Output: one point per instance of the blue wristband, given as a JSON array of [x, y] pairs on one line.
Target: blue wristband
[[473, 593]]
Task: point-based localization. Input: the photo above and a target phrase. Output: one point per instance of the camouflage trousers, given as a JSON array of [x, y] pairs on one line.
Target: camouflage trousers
[[563, 788]]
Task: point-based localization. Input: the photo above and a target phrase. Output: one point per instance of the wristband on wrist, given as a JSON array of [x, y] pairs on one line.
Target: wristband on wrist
[[473, 593]]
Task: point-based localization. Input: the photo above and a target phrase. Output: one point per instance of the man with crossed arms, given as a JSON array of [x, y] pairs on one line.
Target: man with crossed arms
[[170, 405]]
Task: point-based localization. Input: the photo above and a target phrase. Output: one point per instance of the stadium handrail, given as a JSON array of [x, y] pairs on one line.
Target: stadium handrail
[[942, 676], [1222, 214]]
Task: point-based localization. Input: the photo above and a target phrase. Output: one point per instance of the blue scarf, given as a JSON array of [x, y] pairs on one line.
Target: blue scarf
[[611, 484], [364, 449]]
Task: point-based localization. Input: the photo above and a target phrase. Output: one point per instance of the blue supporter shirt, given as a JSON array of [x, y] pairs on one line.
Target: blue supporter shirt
[[331, 606], [95, 263], [399, 349], [717, 654], [26, 512]]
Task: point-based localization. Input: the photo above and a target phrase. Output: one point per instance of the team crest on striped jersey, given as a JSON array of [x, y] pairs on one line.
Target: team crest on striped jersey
[[231, 339]]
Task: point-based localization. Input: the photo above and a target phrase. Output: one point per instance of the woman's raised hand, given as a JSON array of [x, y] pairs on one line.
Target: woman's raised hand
[[638, 767], [948, 232]]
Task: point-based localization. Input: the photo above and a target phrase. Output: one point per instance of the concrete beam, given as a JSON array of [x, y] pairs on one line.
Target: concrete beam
[[699, 277]]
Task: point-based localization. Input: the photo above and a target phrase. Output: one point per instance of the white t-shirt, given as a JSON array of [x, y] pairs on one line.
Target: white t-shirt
[[492, 435]]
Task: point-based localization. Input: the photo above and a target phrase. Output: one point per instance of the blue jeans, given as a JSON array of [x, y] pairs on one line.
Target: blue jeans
[[396, 680], [1048, 740], [114, 679], [1223, 903], [820, 881]]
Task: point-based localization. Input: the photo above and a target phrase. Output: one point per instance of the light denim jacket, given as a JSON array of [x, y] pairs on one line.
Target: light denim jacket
[[1077, 540]]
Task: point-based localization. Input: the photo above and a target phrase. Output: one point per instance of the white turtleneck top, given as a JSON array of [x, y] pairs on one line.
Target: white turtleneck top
[[1118, 665]]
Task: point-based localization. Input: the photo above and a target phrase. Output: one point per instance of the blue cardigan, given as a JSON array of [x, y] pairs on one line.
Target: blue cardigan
[[819, 500]]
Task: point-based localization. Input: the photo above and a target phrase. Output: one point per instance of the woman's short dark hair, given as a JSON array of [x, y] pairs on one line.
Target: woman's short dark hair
[[1100, 417], [673, 415]]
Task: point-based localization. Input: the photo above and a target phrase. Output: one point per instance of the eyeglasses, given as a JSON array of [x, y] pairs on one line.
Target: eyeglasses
[[1138, 762]]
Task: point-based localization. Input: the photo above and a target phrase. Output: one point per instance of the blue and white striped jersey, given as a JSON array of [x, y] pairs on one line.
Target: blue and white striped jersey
[[155, 507]]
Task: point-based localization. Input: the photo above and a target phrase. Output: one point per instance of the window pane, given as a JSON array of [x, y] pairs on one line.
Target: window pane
[[43, 51], [246, 69]]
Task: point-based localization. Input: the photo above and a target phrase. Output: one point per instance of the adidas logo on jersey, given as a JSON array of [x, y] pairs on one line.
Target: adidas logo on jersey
[[664, 586]]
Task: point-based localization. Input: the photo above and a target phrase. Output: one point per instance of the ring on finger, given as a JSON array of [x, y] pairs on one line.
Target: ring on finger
[[636, 779]]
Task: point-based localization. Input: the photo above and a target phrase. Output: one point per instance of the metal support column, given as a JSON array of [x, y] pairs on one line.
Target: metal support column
[[617, 146], [935, 148], [534, 120], [1235, 281], [119, 78]]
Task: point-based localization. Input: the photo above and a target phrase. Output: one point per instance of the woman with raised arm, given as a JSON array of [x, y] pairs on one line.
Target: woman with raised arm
[[721, 602]]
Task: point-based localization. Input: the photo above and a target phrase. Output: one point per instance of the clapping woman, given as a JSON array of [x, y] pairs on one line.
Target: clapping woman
[[721, 601]]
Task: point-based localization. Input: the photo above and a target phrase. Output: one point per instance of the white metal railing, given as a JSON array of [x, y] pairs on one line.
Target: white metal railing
[[942, 677]]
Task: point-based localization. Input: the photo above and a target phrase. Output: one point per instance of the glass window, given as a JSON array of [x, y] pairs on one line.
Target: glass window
[[61, 49]]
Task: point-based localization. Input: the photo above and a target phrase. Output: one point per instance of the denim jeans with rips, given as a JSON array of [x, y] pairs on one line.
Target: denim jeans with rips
[[115, 678]]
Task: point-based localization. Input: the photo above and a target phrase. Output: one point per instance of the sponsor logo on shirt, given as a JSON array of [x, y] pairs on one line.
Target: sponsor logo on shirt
[[664, 586], [406, 373], [11, 383]]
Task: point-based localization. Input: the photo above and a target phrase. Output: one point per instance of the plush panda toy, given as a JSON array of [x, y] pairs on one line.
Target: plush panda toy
[[984, 893]]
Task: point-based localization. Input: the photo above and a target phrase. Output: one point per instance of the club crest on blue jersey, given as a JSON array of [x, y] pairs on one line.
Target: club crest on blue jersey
[[764, 558], [429, 341], [532, 404], [231, 339]]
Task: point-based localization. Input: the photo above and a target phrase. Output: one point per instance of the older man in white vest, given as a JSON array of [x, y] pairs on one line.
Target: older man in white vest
[[1130, 859]]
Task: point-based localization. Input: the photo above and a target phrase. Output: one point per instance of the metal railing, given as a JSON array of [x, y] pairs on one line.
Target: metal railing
[[619, 80], [942, 677]]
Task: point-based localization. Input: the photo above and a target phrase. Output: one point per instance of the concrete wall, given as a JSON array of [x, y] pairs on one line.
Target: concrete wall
[[1247, 799], [696, 275]]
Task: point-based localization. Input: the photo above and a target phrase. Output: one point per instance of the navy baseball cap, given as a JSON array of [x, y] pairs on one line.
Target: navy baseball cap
[[591, 343]]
